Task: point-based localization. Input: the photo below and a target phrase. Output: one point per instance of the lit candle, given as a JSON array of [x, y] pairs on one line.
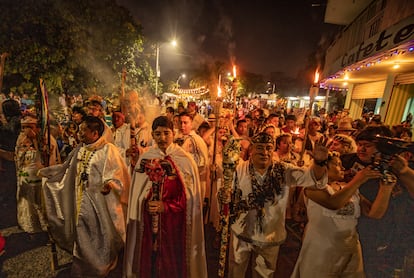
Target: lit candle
[[296, 131]]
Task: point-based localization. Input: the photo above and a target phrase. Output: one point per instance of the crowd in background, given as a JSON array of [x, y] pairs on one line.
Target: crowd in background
[[202, 130]]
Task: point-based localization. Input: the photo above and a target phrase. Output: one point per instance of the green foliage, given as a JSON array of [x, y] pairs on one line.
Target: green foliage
[[76, 46]]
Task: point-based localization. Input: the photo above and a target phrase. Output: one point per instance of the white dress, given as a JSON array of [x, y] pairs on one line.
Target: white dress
[[331, 247]]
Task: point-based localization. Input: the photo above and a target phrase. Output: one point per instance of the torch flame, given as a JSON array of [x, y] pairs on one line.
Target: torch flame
[[234, 71], [316, 80], [296, 132]]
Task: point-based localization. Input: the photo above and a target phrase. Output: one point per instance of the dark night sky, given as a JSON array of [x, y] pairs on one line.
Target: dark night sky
[[260, 36]]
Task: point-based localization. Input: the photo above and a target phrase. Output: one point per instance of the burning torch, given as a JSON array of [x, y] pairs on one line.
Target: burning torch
[[313, 92]]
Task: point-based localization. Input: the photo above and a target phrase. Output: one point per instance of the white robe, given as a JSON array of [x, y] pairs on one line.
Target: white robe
[[81, 219], [140, 187], [197, 147], [122, 139]]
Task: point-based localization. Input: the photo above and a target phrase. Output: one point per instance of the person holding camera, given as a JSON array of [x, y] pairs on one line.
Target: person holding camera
[[330, 247], [384, 242]]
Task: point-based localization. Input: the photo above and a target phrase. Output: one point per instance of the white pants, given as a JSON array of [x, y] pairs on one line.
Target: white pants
[[264, 259]]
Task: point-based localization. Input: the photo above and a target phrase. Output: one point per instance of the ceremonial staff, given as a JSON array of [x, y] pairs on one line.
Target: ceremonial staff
[[213, 169], [155, 220], [155, 169], [231, 154]]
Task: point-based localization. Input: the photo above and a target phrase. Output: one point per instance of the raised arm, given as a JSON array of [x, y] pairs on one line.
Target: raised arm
[[341, 197], [320, 160]]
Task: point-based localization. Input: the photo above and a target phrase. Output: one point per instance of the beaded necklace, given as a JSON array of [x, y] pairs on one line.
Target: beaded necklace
[[267, 191], [84, 170]]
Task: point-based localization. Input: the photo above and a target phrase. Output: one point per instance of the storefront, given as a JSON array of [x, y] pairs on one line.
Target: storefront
[[373, 59]]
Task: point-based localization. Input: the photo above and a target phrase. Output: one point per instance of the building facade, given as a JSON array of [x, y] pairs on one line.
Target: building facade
[[373, 56]]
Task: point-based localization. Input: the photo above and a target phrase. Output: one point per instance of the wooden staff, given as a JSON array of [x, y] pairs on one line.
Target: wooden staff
[[231, 154], [313, 92], [213, 169]]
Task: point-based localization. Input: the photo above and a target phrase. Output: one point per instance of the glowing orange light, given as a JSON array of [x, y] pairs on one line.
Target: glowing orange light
[[234, 71], [296, 131], [218, 91], [316, 80]]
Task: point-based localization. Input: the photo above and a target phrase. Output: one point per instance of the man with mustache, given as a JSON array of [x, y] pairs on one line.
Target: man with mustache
[[260, 195]]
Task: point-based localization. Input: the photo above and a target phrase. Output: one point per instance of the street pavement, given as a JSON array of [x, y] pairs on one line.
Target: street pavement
[[30, 256]]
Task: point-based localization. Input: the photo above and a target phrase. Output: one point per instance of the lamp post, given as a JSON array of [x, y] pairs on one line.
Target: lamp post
[[157, 63], [179, 78]]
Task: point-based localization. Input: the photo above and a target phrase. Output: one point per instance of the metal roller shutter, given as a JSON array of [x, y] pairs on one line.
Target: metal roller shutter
[[407, 78], [369, 90]]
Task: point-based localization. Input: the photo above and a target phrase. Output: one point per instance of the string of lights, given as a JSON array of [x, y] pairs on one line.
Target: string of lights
[[369, 63], [191, 92]]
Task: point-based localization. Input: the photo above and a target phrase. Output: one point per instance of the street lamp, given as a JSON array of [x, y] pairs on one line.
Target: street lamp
[[179, 78], [157, 63]]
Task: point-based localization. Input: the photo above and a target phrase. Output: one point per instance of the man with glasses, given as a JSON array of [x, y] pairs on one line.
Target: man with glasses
[[260, 194]]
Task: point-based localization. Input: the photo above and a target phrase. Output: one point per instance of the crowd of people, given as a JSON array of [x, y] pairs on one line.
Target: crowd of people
[[103, 182]]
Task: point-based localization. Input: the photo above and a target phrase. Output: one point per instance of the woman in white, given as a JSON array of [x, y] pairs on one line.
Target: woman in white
[[331, 247]]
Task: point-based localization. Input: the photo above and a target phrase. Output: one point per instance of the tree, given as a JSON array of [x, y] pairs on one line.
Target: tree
[[75, 46]]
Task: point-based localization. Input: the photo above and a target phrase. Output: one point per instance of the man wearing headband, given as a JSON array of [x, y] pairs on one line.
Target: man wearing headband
[[29, 159], [260, 190]]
